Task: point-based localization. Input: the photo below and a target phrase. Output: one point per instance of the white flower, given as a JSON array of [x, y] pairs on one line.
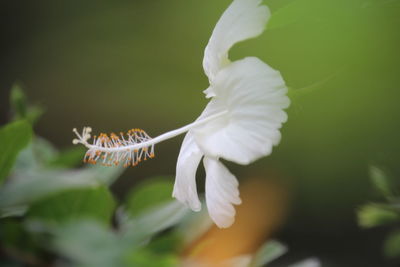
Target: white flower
[[240, 123], [253, 96]]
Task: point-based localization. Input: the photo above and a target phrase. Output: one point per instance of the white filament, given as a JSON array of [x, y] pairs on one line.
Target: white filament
[[83, 139]]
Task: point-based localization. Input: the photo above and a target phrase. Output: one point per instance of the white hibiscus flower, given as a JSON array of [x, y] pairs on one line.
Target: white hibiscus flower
[[240, 123], [253, 96]]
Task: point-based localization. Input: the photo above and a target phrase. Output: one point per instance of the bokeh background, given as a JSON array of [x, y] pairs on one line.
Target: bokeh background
[[116, 65]]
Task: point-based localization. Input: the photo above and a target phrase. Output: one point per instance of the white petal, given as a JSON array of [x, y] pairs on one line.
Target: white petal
[[254, 95], [209, 92], [242, 20], [221, 192], [185, 189]]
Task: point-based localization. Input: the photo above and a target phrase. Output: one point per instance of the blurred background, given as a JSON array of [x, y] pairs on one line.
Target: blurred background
[[117, 65]]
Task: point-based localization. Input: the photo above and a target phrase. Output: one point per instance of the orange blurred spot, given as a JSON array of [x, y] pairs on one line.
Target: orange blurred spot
[[263, 208]]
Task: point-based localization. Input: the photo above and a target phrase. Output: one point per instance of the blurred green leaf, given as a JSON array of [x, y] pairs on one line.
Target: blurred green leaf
[[166, 243], [26, 188], [14, 235], [43, 150], [42, 154], [10, 231], [96, 203], [148, 258], [89, 243], [392, 245], [35, 156], [149, 194], [20, 106], [270, 251], [13, 138], [372, 215], [34, 113], [382, 182], [68, 158], [154, 220], [18, 101]]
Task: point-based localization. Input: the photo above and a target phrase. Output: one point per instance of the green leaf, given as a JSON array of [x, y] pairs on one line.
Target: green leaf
[[35, 155], [372, 215], [18, 101], [34, 113], [149, 194], [154, 220], [382, 182], [147, 258], [20, 106], [267, 253], [13, 138], [392, 245], [166, 243], [14, 235], [97, 203], [10, 231], [68, 158], [89, 243], [29, 187]]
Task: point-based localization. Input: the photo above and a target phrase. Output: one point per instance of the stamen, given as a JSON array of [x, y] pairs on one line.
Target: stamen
[[103, 147], [131, 148]]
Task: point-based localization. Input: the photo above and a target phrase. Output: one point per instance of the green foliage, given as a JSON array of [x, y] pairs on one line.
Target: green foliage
[[97, 203], [372, 215], [18, 101], [68, 158], [392, 245], [155, 220], [13, 234], [148, 194], [35, 185], [41, 154], [375, 214], [35, 156], [13, 138], [89, 243], [148, 258], [67, 212], [167, 243], [267, 253], [40, 172], [382, 182], [151, 210], [20, 106]]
